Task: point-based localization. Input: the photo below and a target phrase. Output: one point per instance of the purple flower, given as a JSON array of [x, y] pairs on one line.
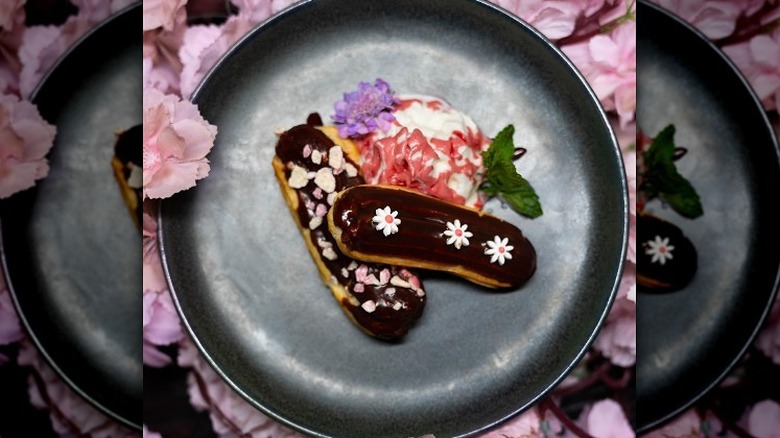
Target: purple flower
[[364, 110]]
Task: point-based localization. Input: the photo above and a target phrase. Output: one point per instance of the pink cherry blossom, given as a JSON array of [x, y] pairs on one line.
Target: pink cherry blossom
[[772, 15], [606, 419], [161, 13], [617, 341], [150, 434], [626, 136], [9, 10], [750, 7], [11, 33], [10, 65], [159, 78], [161, 69], [162, 65], [617, 338], [70, 414], [608, 63], [230, 414], [762, 420], [40, 49], [201, 48], [280, 5], [176, 142], [42, 46], [759, 60], [555, 19], [768, 340], [685, 425], [25, 139], [259, 10], [203, 45], [527, 424], [10, 328], [615, 10], [91, 12], [118, 5], [161, 326], [715, 18], [154, 278]]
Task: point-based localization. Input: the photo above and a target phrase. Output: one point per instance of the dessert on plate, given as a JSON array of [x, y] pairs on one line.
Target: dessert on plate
[[428, 146], [668, 260], [398, 183], [127, 165], [404, 227], [311, 168]]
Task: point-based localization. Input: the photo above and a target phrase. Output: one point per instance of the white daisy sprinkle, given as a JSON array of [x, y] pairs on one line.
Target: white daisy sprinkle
[[499, 250], [660, 249], [457, 234], [386, 221]]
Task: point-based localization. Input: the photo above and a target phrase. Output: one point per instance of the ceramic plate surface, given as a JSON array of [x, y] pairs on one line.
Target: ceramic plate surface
[[250, 295], [687, 341], [71, 250]]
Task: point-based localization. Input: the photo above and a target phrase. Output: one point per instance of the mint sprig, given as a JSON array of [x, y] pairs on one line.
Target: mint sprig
[[502, 178], [662, 180]]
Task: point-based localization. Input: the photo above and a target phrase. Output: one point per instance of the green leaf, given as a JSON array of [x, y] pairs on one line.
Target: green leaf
[[502, 148], [684, 201], [502, 178], [488, 189], [661, 151], [662, 179], [524, 200]]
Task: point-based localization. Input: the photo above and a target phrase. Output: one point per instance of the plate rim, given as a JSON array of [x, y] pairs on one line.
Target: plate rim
[[659, 422], [615, 156], [28, 330]]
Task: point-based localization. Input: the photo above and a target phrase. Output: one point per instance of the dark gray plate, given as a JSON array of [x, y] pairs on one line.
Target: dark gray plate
[[689, 340], [71, 250], [251, 296]]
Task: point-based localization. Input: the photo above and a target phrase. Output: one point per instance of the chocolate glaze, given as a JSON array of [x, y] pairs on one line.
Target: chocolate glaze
[[420, 239], [129, 146], [675, 273], [397, 297], [129, 149]]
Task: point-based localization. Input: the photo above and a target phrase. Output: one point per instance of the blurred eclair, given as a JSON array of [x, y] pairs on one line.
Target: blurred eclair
[[127, 164]]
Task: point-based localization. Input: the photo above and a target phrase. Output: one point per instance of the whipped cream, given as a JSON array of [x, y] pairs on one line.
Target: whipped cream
[[431, 147]]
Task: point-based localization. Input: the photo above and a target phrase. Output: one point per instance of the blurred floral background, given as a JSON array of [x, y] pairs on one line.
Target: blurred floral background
[[184, 38]]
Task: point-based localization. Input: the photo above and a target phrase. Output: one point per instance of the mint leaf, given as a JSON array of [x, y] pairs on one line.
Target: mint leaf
[[685, 201], [661, 151], [502, 148], [524, 200], [502, 178], [662, 179]]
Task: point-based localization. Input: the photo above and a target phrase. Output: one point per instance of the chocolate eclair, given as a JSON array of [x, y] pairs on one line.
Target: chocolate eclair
[[312, 164], [666, 260], [127, 164], [405, 227]]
